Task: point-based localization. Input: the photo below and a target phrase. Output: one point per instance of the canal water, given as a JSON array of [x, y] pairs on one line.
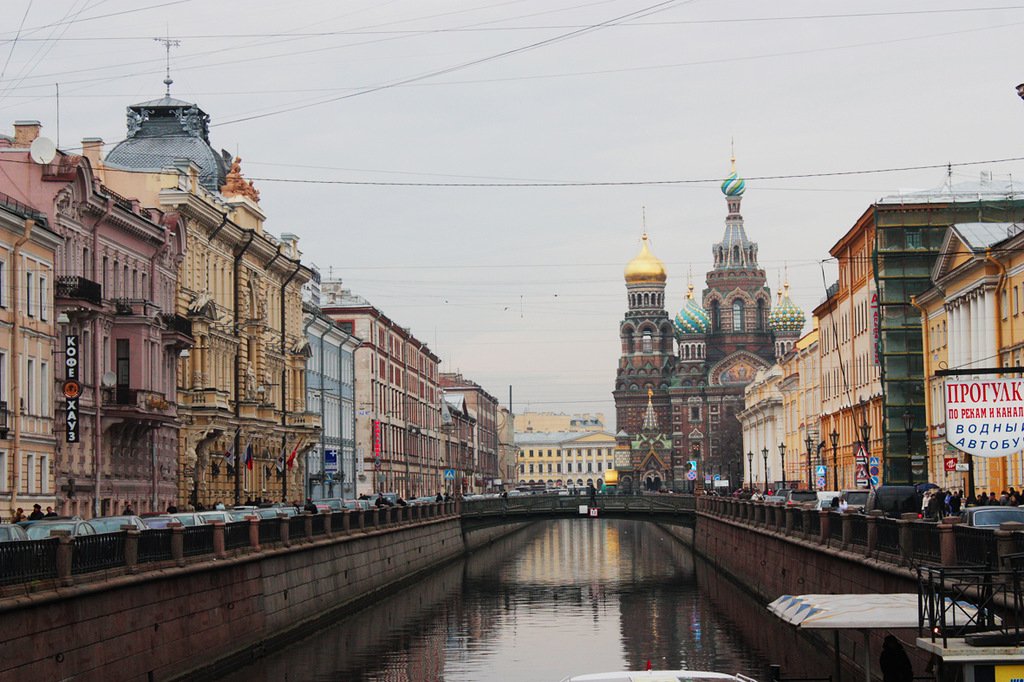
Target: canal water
[[558, 598]]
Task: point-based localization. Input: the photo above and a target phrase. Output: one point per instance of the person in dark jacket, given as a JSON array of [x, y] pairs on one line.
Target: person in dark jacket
[[37, 513], [894, 662]]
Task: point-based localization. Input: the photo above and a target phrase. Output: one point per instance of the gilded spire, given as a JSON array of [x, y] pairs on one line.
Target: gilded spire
[[650, 419]]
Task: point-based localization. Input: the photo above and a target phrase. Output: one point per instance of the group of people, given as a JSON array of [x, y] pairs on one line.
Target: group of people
[[937, 503], [37, 513]]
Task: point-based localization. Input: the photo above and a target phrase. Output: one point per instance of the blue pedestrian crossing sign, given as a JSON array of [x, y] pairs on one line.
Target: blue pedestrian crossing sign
[[449, 474], [820, 470]]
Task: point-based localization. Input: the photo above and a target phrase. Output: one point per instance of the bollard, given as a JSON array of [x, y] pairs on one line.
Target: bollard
[[254, 532], [219, 551], [285, 530], [131, 549], [64, 550], [177, 543], [307, 526]]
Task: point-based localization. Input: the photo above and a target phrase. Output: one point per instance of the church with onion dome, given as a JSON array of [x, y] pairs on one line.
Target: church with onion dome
[[681, 376]]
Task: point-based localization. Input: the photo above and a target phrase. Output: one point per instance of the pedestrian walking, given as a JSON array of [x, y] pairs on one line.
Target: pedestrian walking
[[37, 513], [18, 516], [128, 511], [50, 513]]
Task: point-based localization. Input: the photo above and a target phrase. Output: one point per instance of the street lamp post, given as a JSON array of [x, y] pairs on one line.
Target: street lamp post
[[865, 437], [764, 453], [908, 426], [750, 468], [834, 437], [809, 442], [782, 457]]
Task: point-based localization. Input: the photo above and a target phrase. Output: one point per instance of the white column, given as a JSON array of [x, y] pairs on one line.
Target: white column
[[989, 329], [975, 331]]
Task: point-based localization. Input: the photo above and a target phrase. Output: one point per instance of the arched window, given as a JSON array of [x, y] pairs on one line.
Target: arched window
[[760, 314], [645, 344], [737, 315], [736, 255], [716, 316]]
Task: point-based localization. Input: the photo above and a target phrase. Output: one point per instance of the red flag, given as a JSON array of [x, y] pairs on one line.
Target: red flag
[[291, 457], [248, 457]]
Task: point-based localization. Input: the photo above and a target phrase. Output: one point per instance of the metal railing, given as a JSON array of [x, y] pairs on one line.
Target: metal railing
[[296, 528], [236, 535], [155, 545], [954, 602], [319, 524], [79, 288], [813, 525], [22, 562], [197, 540], [887, 539], [270, 531], [924, 538], [97, 552], [177, 323], [858, 530], [835, 529], [975, 546]]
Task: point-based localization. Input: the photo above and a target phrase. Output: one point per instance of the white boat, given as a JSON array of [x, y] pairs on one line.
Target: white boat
[[659, 676]]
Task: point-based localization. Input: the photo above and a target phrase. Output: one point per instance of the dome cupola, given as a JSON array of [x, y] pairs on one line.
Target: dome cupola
[[785, 317], [646, 267], [692, 319]]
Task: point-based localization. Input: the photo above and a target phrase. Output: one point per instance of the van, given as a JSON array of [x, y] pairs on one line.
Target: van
[[894, 500]]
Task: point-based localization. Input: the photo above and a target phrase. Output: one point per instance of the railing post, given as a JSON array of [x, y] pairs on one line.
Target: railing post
[[906, 537], [805, 515], [787, 513], [872, 520], [307, 526], [361, 518], [254, 532], [64, 549], [177, 543], [219, 550], [131, 549], [285, 530], [1005, 544], [947, 544], [825, 530], [328, 531], [847, 529]]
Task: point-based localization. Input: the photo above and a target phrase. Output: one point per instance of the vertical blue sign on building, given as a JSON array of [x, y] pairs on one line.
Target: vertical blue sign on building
[[330, 461]]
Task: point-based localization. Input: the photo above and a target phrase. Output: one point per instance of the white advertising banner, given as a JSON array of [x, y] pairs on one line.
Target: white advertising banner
[[985, 417]]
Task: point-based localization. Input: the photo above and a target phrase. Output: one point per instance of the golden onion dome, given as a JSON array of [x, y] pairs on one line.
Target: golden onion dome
[[646, 267]]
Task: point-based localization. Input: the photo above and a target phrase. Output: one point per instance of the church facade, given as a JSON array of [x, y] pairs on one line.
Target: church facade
[[680, 379]]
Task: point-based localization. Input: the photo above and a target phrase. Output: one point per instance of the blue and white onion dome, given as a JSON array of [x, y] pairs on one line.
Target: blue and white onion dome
[[691, 319], [734, 185], [785, 317]]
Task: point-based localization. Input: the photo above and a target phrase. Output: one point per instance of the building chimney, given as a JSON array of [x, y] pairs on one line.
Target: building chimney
[[92, 147], [25, 132]]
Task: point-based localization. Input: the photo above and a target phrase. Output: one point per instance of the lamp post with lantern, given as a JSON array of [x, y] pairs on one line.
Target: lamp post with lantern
[[908, 426], [750, 468], [834, 438], [809, 443], [764, 453], [782, 457]]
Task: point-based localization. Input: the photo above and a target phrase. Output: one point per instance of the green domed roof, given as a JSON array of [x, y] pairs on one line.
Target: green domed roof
[[692, 319], [785, 317]]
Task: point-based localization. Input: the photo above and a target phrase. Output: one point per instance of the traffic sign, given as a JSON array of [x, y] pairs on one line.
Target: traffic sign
[[820, 470], [449, 474], [718, 477], [874, 481], [821, 481], [691, 475], [949, 463]]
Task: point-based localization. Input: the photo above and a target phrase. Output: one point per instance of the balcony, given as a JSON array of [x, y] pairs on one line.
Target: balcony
[[207, 399], [308, 420], [179, 329], [75, 288], [137, 404]]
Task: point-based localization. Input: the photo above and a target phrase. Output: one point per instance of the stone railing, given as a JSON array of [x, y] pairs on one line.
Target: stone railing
[[907, 541], [63, 560]]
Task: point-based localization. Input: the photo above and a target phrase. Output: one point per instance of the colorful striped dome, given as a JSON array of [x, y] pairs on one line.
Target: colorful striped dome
[[691, 319], [734, 185], [785, 317]]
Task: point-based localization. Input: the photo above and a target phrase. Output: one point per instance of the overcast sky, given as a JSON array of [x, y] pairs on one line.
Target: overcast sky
[[521, 285]]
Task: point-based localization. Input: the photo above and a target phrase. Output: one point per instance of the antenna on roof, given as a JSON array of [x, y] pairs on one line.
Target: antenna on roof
[[168, 44]]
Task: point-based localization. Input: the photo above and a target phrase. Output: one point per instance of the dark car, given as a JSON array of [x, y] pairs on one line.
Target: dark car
[[11, 532], [894, 500], [991, 517]]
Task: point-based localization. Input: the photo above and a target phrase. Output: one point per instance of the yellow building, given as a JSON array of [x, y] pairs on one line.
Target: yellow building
[[801, 407], [552, 421], [972, 318], [564, 459], [27, 351], [242, 386]]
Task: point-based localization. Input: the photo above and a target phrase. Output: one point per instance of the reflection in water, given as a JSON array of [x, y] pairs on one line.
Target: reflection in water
[[562, 597]]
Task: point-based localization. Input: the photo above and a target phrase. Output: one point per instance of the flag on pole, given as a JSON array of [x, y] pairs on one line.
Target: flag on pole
[[280, 459], [291, 457], [248, 456], [229, 456]]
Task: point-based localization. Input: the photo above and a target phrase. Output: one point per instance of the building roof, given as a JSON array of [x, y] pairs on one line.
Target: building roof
[[645, 267], [985, 187], [168, 130], [555, 437], [980, 236]]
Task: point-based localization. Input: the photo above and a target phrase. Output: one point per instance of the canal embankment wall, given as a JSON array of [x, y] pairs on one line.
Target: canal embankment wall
[[192, 621]]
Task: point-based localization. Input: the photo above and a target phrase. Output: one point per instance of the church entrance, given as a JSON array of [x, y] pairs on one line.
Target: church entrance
[[652, 482]]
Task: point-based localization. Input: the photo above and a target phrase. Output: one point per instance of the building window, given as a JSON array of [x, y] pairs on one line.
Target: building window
[[694, 413], [913, 239], [737, 315], [30, 473], [30, 302], [3, 283], [1016, 300], [3, 471], [30, 370], [44, 389], [645, 343], [716, 316], [44, 473]]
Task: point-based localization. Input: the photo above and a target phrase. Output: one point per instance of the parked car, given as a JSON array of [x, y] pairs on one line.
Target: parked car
[[214, 515], [856, 498], [159, 521], [12, 532], [357, 504], [991, 517], [807, 497], [40, 530], [333, 503], [113, 524], [894, 500]]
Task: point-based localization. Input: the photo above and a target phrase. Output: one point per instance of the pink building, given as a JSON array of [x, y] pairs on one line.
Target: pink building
[[114, 296]]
